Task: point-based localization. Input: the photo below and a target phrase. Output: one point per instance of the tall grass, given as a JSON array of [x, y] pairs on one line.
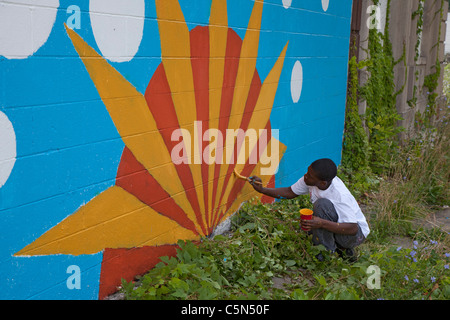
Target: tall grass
[[418, 178]]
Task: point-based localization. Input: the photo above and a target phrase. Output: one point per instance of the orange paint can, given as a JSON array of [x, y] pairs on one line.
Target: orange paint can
[[306, 214]]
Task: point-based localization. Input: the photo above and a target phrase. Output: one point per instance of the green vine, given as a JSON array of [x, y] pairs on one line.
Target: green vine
[[431, 81], [355, 168], [379, 92], [356, 143], [419, 30], [419, 14]]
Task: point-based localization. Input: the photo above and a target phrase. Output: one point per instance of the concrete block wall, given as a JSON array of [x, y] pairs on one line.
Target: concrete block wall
[[98, 98]]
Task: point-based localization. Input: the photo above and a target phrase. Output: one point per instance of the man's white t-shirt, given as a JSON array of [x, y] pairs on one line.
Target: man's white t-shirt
[[344, 202]]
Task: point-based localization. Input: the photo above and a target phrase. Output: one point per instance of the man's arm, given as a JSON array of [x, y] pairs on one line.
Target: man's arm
[[315, 222], [279, 193], [334, 227]]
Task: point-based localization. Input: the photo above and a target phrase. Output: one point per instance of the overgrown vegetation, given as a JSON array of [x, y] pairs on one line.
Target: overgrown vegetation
[[372, 153], [244, 266], [356, 147], [416, 182], [381, 115], [371, 138]]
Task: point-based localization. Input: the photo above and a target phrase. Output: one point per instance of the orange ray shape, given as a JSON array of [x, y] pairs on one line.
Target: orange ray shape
[[175, 54], [218, 34], [245, 73]]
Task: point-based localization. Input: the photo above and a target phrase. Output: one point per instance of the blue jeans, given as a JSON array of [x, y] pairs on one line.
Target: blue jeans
[[324, 209]]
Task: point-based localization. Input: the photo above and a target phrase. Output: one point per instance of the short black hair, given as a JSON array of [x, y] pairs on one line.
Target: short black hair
[[325, 169]]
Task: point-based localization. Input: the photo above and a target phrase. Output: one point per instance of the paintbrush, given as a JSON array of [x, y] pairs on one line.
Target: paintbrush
[[246, 178]]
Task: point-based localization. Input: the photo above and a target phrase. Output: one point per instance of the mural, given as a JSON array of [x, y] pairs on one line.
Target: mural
[[137, 115]]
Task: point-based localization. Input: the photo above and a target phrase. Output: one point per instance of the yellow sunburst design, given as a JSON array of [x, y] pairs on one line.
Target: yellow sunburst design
[[119, 218]]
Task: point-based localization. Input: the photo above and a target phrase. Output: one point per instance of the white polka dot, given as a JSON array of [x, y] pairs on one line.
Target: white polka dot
[[287, 3], [25, 26], [7, 148], [118, 27], [296, 81], [325, 4]]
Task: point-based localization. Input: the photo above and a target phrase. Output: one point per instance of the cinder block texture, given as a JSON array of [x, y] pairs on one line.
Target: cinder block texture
[[122, 124]]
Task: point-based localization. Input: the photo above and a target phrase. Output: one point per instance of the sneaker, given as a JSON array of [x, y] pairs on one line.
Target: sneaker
[[320, 257], [347, 254]]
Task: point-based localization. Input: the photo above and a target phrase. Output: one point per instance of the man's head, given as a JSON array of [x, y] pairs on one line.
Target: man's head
[[320, 173]]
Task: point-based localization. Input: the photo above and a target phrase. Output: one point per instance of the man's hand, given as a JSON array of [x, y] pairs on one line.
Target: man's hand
[[279, 193], [314, 223], [257, 186], [338, 228]]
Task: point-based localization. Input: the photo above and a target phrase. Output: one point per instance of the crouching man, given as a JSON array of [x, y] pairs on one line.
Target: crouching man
[[338, 222]]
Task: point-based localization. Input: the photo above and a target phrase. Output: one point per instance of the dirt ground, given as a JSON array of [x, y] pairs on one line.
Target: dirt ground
[[439, 219]]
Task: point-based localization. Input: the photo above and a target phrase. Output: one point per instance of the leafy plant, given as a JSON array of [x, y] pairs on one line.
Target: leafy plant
[[418, 273], [355, 155], [192, 274]]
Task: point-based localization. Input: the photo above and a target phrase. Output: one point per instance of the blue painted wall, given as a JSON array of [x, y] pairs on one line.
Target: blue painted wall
[[68, 149]]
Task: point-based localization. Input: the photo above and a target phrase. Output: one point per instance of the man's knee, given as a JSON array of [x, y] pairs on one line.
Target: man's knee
[[322, 204], [324, 208]]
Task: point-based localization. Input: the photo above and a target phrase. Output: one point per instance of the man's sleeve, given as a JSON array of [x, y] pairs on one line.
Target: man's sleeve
[[300, 187]]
